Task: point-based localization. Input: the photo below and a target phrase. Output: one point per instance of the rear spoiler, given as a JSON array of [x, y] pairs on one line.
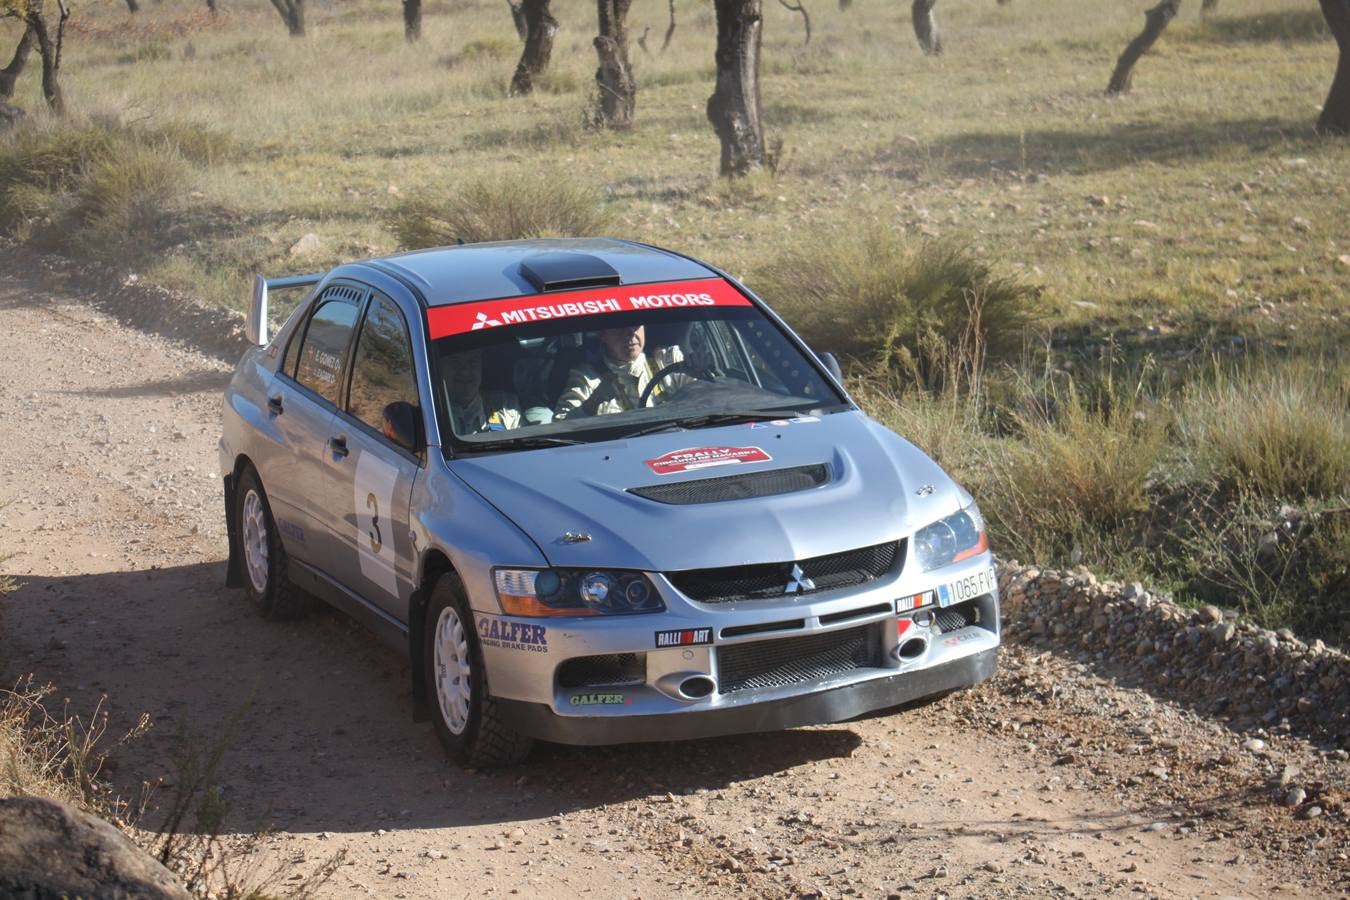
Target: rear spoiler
[[255, 325]]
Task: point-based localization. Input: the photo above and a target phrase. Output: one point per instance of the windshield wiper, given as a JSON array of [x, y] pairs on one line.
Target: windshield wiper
[[722, 418], [522, 443]]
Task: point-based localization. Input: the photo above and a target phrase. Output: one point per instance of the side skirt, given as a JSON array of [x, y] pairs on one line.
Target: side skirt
[[388, 629]]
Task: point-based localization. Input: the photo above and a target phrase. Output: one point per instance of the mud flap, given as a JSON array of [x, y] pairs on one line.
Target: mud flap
[[233, 576]]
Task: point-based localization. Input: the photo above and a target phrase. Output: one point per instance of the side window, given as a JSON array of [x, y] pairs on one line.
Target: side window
[[325, 345], [293, 350], [382, 374]]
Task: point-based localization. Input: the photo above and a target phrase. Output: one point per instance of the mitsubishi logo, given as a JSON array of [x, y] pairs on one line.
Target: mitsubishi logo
[[482, 321], [799, 581]]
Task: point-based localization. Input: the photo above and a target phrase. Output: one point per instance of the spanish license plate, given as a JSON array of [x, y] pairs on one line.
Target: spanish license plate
[[963, 589]]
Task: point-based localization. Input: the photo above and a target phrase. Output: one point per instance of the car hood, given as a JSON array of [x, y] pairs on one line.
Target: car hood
[[879, 488]]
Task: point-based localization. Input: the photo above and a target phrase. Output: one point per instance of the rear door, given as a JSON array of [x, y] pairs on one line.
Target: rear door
[[370, 488], [304, 399]]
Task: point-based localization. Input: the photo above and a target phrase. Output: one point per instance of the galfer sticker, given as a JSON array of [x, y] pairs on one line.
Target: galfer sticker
[[461, 318], [601, 700], [704, 458], [512, 635], [686, 637]]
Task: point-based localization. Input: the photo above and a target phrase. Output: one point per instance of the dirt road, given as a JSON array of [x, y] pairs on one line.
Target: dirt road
[[1048, 781]]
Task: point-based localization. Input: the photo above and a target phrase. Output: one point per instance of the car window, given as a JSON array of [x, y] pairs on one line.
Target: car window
[[326, 338], [382, 373]]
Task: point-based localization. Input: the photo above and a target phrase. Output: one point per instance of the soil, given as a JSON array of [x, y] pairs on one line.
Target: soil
[[1051, 779]]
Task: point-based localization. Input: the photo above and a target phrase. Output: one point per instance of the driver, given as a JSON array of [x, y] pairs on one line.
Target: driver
[[615, 382], [473, 410]]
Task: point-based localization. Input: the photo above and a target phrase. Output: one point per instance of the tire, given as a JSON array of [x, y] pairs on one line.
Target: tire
[[262, 558], [468, 721]]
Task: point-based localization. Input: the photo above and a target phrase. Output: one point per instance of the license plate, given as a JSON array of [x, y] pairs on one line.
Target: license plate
[[964, 588]]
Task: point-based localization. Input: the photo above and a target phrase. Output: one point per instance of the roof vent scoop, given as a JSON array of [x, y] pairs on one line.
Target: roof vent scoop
[[563, 271]]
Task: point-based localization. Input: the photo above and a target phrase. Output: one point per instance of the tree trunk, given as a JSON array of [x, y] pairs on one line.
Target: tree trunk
[[733, 108], [540, 29], [1155, 20], [1208, 6], [51, 58], [614, 77], [845, 4], [211, 5], [10, 73], [412, 20], [133, 6], [1335, 117], [670, 29], [292, 12], [518, 19], [925, 27]]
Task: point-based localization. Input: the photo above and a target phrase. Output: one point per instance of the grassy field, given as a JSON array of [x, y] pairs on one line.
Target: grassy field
[[1181, 250]]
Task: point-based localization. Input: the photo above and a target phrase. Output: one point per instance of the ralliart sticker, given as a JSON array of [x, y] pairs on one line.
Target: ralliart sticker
[[705, 458], [461, 318]]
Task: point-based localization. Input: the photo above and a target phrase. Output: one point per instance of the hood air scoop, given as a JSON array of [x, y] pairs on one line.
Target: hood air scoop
[[564, 271], [737, 487]]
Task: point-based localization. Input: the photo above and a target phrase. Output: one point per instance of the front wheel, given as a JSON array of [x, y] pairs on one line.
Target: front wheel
[[467, 720]]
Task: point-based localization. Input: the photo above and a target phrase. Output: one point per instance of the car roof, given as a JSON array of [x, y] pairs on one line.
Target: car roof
[[470, 272]]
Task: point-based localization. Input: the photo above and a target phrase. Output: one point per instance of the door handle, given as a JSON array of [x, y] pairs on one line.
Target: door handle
[[339, 444], [274, 403]]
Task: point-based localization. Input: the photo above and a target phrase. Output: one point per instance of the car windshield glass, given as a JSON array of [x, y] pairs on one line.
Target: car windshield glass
[[551, 370]]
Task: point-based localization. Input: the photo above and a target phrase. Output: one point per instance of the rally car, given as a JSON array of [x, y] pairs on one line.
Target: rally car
[[597, 492]]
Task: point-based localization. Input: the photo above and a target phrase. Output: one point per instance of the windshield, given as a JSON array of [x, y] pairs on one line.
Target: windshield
[[609, 362]]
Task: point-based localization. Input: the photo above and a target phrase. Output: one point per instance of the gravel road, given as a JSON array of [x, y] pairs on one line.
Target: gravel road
[[1049, 780]]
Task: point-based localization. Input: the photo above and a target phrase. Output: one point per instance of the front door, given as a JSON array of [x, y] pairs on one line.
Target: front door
[[370, 488]]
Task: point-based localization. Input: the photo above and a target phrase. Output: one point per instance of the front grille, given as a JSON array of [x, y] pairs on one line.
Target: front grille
[[603, 671], [764, 582], [797, 660], [736, 487], [957, 617]]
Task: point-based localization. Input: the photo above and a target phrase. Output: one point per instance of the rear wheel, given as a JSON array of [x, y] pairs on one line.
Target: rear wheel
[[468, 721], [262, 557]]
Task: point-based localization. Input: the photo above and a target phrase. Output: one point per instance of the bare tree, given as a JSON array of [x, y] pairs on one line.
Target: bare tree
[[133, 7], [412, 21], [1208, 6], [806, 17], [614, 77], [10, 73], [518, 18], [925, 27], [1335, 118], [292, 12], [642, 39], [211, 5], [38, 31], [734, 108], [670, 29], [540, 29], [1155, 21]]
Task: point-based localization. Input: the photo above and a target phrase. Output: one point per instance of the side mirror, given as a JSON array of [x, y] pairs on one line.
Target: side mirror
[[831, 365], [255, 325], [403, 425]]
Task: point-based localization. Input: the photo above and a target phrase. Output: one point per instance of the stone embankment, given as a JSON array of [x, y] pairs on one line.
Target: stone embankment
[[1204, 658]]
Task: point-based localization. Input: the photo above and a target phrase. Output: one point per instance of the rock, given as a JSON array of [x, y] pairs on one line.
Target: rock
[[1101, 201], [1210, 614], [49, 849], [1344, 259], [306, 245], [1253, 745], [1295, 797], [1311, 812], [1285, 635]]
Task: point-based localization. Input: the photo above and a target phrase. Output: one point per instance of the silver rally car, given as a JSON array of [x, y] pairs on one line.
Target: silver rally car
[[598, 492]]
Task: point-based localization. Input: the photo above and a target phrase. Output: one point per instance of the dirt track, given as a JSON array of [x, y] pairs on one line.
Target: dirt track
[[1048, 781]]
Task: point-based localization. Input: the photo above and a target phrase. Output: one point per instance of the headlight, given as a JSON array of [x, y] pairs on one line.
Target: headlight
[[574, 592], [957, 537]]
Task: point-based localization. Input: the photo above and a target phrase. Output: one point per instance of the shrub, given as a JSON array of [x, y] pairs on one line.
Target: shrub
[[502, 209], [872, 298], [1076, 484], [1279, 434]]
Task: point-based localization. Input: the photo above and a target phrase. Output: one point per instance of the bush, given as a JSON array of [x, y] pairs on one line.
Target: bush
[[1278, 434], [1076, 486], [872, 298], [502, 209], [122, 199]]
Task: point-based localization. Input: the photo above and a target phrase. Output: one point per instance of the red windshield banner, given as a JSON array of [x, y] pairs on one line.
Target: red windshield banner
[[443, 321]]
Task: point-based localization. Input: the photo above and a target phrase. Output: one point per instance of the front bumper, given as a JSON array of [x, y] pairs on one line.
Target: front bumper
[[835, 704]]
